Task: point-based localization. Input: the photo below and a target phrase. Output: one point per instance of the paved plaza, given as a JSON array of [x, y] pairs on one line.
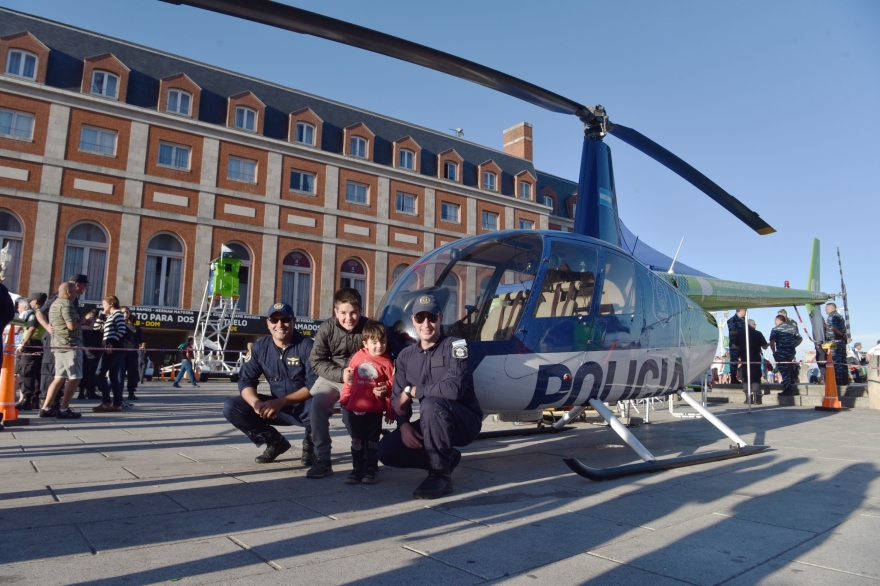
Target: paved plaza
[[169, 493]]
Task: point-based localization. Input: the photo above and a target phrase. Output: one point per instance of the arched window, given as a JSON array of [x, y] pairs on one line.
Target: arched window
[[354, 275], [398, 270], [85, 253], [163, 271], [11, 235], [241, 252], [296, 283]]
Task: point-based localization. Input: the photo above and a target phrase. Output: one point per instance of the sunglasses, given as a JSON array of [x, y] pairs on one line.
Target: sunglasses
[[284, 320], [431, 317]]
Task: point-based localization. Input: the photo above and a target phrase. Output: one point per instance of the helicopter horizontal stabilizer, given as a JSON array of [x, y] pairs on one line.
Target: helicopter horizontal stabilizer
[[718, 294], [579, 468]]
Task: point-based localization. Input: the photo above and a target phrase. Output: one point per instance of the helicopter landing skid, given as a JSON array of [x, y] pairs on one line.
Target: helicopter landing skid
[[543, 430], [652, 464]]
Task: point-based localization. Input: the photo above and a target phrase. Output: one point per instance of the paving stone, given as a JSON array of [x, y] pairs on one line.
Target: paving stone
[[27, 545], [786, 573], [849, 547], [586, 569]]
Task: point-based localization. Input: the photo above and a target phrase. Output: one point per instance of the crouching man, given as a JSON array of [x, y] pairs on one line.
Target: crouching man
[[283, 359], [435, 373]]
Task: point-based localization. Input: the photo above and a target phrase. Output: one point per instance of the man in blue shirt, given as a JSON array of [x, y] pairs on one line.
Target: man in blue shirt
[[283, 358], [784, 340], [835, 331], [434, 372], [735, 325]]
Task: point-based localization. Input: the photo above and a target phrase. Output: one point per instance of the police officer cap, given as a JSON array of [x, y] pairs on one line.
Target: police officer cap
[[426, 303], [40, 298], [282, 308]]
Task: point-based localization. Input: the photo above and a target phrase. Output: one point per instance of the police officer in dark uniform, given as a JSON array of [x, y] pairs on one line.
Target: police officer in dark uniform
[[283, 358], [835, 331], [735, 325], [784, 340], [435, 373], [30, 356]]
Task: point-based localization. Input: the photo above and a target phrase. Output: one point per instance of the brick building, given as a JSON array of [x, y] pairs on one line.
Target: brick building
[[134, 166]]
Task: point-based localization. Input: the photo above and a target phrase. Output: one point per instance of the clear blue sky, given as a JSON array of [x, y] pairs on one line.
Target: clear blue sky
[[778, 102]]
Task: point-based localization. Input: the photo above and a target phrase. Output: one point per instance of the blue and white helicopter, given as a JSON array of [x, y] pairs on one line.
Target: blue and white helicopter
[[556, 319]]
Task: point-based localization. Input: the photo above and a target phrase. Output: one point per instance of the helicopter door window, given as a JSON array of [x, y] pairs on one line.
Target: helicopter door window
[[569, 281], [619, 289]]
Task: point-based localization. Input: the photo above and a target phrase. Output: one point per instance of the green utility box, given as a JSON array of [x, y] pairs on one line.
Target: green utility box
[[224, 276]]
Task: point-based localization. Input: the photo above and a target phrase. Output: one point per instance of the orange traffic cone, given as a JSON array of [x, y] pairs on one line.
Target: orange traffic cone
[[831, 402], [7, 384]]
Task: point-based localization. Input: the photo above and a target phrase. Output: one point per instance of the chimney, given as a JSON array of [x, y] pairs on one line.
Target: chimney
[[518, 141]]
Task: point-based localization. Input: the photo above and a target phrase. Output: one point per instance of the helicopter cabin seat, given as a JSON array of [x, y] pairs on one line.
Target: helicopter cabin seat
[[504, 317]]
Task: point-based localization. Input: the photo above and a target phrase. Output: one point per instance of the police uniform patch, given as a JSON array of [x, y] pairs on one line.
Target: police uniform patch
[[293, 361], [278, 306], [459, 349]]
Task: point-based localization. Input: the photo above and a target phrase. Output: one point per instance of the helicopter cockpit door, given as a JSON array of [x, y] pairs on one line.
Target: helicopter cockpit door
[[557, 331]]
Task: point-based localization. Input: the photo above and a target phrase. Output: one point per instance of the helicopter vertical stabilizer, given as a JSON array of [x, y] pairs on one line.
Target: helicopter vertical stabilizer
[[813, 284], [596, 211]]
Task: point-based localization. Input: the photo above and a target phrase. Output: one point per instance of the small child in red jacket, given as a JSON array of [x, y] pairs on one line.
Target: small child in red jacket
[[366, 399]]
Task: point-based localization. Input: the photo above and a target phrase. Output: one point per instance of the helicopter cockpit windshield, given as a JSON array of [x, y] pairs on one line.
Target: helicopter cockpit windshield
[[482, 286]]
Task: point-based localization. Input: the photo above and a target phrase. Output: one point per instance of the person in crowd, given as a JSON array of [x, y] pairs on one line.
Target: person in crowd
[[365, 398], [433, 371], [784, 340], [757, 342], [130, 343], [67, 339], [93, 340], [835, 331], [787, 319], [7, 308], [874, 350], [735, 325], [29, 356], [143, 361], [112, 323], [186, 364], [283, 359], [47, 368], [336, 341]]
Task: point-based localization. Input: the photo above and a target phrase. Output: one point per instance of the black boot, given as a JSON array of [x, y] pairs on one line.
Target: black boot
[[273, 450], [131, 396], [371, 465], [308, 450], [437, 484], [24, 404], [357, 466]]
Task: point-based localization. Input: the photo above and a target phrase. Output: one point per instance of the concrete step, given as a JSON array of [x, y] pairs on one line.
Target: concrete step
[[852, 396], [852, 390]]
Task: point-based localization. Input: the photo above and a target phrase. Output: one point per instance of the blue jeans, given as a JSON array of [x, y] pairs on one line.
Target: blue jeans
[[112, 365], [262, 431], [186, 366]]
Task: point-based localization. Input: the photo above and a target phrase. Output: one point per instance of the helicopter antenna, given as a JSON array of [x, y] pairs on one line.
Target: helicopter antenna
[[459, 132], [670, 271]]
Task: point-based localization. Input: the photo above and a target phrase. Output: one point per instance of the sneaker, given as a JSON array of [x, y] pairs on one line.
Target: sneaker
[[50, 412], [272, 451], [176, 386], [357, 476], [131, 397], [106, 408], [321, 469], [68, 414], [437, 484], [195, 385], [370, 477]]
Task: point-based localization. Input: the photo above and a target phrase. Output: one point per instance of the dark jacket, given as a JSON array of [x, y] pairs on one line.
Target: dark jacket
[[286, 371], [334, 347], [7, 308]]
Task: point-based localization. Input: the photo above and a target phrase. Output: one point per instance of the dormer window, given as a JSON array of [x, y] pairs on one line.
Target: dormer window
[[305, 133], [450, 171], [245, 119], [548, 201], [407, 159], [525, 190], [489, 180], [179, 102], [358, 147], [22, 64], [105, 84]]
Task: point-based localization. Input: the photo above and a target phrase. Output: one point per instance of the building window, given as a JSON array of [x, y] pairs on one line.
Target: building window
[[179, 102], [174, 155], [548, 201], [16, 124], [22, 64], [489, 180], [163, 271], [296, 283], [305, 133], [241, 252], [246, 119], [358, 147], [242, 170], [398, 270], [406, 203], [353, 275], [450, 171], [574, 209], [449, 212], [490, 221], [105, 84], [11, 236], [407, 159], [97, 140], [526, 225], [85, 253], [355, 193], [525, 190], [302, 181]]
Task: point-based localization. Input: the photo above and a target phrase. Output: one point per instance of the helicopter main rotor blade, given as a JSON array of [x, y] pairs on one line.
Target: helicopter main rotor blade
[[310, 23], [638, 140]]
